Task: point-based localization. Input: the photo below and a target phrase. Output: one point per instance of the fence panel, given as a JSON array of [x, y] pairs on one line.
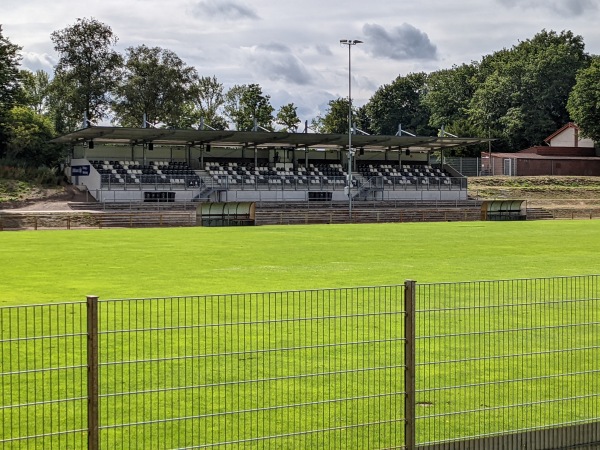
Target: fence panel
[[311, 369], [469, 167], [42, 376], [505, 357], [501, 361]]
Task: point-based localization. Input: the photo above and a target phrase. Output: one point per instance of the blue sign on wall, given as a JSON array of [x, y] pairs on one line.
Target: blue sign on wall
[[80, 171]]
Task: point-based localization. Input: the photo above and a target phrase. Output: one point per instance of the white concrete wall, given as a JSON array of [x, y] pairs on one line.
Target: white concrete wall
[[423, 195], [338, 196], [92, 182], [127, 196], [265, 196], [128, 153], [568, 138]]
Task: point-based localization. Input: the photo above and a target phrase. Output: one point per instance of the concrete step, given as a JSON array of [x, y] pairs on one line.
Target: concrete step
[[315, 216], [538, 214]]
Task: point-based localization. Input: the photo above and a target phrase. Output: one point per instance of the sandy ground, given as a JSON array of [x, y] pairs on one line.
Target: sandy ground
[[51, 200]]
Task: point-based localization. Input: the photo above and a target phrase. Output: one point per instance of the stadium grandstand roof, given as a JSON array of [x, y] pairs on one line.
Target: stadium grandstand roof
[[228, 138]]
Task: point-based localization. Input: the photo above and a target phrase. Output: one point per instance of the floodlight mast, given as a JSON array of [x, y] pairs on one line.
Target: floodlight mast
[[350, 43]]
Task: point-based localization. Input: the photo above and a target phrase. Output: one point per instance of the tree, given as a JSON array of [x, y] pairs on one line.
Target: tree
[[208, 97], [88, 65], [400, 103], [63, 113], [584, 100], [288, 117], [10, 59], [155, 82], [362, 120], [246, 103], [448, 94], [233, 105], [36, 89], [522, 93], [466, 128], [335, 120], [9, 84], [30, 134]]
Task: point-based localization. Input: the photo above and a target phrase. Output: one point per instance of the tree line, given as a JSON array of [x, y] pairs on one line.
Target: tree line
[[518, 95]]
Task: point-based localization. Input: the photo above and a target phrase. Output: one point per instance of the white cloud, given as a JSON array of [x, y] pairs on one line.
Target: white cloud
[[38, 61], [292, 49]]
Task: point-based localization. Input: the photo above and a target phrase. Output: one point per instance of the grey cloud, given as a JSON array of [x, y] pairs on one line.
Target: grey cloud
[[274, 47], [228, 10], [276, 62], [324, 50], [562, 7], [399, 43]]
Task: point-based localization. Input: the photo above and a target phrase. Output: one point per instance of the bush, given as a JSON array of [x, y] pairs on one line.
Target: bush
[[17, 170]]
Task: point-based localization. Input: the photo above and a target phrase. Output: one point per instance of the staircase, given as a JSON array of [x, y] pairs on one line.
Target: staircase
[[366, 188], [205, 194], [538, 214]]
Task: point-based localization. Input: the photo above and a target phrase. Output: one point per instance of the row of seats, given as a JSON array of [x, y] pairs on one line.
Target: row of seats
[[403, 180], [404, 174], [232, 173], [399, 170], [156, 172]]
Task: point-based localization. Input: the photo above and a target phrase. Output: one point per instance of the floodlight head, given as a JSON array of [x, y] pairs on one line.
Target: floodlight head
[[350, 41]]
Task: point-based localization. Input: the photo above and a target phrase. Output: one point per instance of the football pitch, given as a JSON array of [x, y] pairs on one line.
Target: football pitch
[[57, 266]]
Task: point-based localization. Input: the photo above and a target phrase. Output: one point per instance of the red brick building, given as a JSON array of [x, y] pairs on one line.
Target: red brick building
[[566, 153]]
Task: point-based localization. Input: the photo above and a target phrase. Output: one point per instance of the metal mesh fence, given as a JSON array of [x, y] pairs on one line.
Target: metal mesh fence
[[341, 368], [42, 376], [311, 369], [469, 167], [505, 357]]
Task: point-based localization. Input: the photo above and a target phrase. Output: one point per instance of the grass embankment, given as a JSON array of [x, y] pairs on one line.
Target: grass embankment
[[20, 183], [16, 191], [542, 191]]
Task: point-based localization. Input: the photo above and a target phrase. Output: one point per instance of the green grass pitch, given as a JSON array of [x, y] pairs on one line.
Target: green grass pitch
[[54, 266]]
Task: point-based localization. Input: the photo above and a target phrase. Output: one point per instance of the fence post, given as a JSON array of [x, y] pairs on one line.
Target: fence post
[[92, 373], [409, 364]]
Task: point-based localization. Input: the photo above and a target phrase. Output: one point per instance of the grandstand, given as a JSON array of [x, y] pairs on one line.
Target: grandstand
[[164, 165]]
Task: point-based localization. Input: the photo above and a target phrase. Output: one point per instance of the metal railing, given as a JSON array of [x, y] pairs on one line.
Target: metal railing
[[408, 366], [416, 183], [469, 167], [207, 185], [320, 183], [154, 182]]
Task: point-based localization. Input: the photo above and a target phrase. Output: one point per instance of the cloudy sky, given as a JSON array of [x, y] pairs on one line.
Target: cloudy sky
[[292, 49]]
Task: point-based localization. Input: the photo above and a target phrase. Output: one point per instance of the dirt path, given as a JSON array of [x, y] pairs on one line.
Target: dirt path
[[56, 199]]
